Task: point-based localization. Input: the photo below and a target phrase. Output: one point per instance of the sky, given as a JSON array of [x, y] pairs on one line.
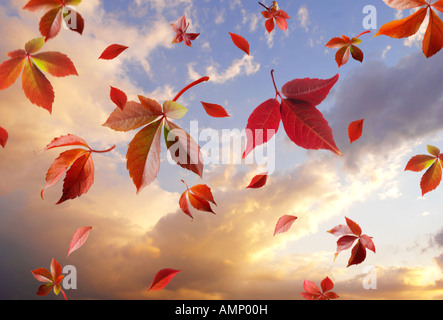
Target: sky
[[233, 254]]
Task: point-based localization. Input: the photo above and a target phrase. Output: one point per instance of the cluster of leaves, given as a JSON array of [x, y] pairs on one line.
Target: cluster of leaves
[[36, 86], [199, 196], [345, 45]]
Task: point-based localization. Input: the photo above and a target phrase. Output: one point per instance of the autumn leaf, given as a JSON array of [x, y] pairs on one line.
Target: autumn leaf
[[274, 13], [112, 52], [52, 279], [55, 13], [3, 137], [214, 110], [78, 239], [199, 196], [143, 155], [36, 86], [240, 42], [118, 97], [346, 46], [355, 130], [406, 27], [181, 34], [312, 292], [258, 181], [348, 234], [303, 122], [284, 224], [433, 163], [76, 163], [162, 279]]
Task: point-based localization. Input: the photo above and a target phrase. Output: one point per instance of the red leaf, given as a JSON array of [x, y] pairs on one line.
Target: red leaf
[[3, 137], [38, 5], [306, 127], [183, 149], [162, 279], [313, 91], [143, 156], [355, 130], [203, 191], [214, 110], [79, 178], [240, 42], [51, 23], [199, 203], [353, 226], [262, 125], [67, 140], [358, 254], [112, 52], [118, 97], [78, 239], [284, 224], [60, 166], [181, 34], [183, 202], [432, 178], [258, 181], [312, 292]]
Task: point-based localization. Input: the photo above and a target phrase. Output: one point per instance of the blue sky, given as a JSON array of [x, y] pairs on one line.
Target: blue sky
[[233, 254]]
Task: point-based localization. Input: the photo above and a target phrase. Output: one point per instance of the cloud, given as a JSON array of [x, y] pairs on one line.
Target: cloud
[[303, 18], [239, 67]]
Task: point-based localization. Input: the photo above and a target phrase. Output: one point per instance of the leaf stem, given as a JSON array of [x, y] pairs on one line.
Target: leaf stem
[[275, 86], [104, 151], [64, 295], [190, 86], [264, 6], [365, 32]]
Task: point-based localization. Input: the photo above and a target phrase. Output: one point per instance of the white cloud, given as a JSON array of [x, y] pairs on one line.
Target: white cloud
[[303, 18], [239, 67]]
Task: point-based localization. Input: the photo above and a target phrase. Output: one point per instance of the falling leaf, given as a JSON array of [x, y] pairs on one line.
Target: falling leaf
[[51, 278], [162, 279], [284, 224], [199, 196], [274, 13], [214, 110], [78, 239], [312, 292], [112, 52], [3, 137], [181, 34], [76, 163], [143, 155], [355, 130], [118, 97], [346, 46], [348, 234], [258, 181], [404, 28], [36, 86], [432, 177], [55, 12], [240, 42]]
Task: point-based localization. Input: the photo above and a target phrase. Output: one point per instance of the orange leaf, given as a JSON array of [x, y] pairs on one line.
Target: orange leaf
[[405, 27], [143, 156], [10, 70], [37, 87], [199, 203], [55, 63], [432, 178], [433, 39]]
